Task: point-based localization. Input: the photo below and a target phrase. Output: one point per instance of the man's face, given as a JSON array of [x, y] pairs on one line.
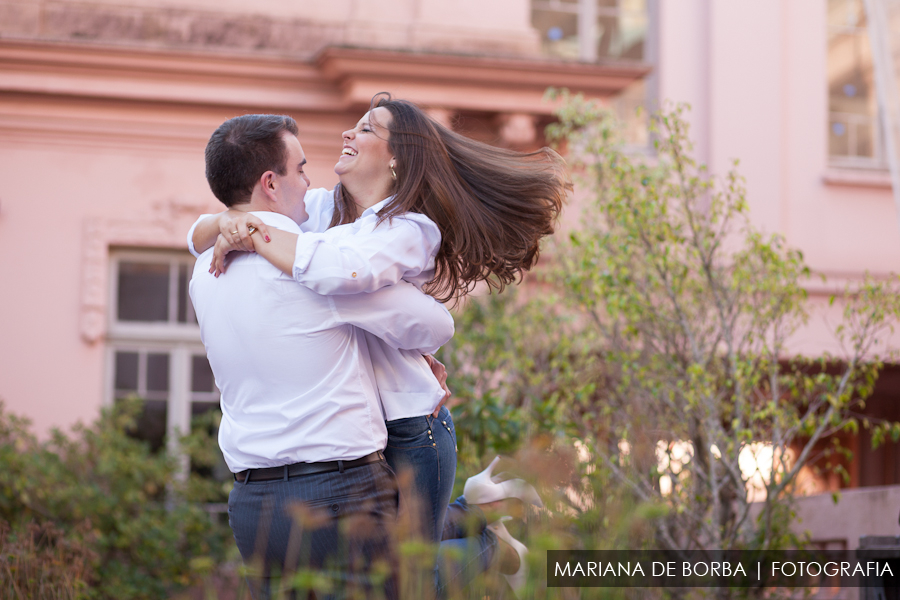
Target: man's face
[[291, 187]]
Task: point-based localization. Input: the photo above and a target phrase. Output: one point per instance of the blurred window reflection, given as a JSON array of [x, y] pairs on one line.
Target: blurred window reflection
[[143, 374], [854, 132], [153, 289], [591, 30], [598, 30]]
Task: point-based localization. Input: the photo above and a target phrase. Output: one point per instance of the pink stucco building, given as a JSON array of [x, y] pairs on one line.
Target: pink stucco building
[[106, 106]]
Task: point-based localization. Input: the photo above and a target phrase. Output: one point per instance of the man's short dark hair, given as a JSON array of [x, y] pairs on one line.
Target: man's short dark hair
[[241, 150]]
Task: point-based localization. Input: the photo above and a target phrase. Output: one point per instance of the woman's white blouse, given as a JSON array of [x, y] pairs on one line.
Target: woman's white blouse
[[364, 256]]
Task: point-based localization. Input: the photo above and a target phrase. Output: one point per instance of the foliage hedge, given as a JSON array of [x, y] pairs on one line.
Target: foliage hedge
[[95, 514]]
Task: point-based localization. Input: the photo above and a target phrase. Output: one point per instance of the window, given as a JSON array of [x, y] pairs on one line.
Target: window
[[854, 133], [154, 347], [591, 30], [144, 373], [153, 291]]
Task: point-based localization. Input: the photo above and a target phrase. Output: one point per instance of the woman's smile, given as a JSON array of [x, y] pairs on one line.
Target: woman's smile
[[366, 148]]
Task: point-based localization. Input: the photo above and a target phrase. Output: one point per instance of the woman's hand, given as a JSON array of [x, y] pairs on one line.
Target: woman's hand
[[220, 255], [236, 230], [440, 373], [234, 226]]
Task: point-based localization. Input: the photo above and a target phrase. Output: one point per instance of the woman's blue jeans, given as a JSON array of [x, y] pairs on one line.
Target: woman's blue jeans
[[425, 447], [467, 549]]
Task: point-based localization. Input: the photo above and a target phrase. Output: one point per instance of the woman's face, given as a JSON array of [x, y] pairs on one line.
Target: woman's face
[[366, 158]]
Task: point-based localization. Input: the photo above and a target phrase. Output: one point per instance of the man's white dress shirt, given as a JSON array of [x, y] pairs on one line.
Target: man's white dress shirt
[[365, 256], [292, 365]]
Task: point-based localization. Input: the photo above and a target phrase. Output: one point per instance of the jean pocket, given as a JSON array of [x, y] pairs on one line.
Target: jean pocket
[[446, 421], [414, 431]]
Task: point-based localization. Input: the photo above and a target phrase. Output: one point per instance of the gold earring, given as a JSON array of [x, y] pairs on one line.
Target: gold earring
[[393, 173]]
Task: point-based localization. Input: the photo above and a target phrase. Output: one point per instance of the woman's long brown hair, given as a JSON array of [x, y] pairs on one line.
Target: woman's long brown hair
[[492, 205]]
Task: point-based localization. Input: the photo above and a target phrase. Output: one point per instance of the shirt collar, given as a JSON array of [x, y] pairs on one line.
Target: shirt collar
[[376, 207], [277, 220]]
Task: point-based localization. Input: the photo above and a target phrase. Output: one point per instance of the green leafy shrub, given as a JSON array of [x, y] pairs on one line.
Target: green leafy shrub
[[653, 352], [109, 513]]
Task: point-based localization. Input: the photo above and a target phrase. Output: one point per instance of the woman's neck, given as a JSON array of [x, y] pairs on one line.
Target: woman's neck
[[366, 196]]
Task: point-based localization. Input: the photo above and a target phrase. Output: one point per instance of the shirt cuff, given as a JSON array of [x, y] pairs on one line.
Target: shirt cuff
[[190, 236], [306, 247]]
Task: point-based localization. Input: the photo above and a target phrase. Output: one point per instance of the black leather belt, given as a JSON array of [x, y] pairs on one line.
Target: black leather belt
[[300, 469]]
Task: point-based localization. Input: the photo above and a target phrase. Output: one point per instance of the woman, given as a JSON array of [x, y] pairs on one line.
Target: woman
[[419, 202]]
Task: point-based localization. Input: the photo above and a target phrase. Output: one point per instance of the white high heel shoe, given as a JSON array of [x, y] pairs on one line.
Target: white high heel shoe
[[516, 580], [482, 489]]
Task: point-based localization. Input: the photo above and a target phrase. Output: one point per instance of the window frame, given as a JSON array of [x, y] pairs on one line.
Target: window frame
[[878, 162], [170, 330], [586, 13], [181, 341]]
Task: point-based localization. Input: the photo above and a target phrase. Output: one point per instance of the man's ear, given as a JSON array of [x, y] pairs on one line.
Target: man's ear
[[268, 185]]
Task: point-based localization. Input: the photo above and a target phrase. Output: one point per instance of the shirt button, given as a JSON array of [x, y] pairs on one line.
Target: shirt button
[[353, 274], [335, 508]]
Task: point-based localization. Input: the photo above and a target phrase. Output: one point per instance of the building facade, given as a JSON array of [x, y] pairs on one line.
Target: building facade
[[106, 106]]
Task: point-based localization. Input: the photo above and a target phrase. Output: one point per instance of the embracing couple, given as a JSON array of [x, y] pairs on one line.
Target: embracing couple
[[321, 332]]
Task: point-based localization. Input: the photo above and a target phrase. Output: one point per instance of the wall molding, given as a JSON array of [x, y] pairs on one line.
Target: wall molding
[[338, 79], [163, 229]]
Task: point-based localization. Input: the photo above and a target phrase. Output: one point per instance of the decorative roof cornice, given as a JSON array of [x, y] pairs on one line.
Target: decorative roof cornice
[[339, 78], [467, 81]]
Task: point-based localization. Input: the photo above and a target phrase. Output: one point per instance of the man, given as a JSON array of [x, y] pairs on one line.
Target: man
[[302, 428]]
